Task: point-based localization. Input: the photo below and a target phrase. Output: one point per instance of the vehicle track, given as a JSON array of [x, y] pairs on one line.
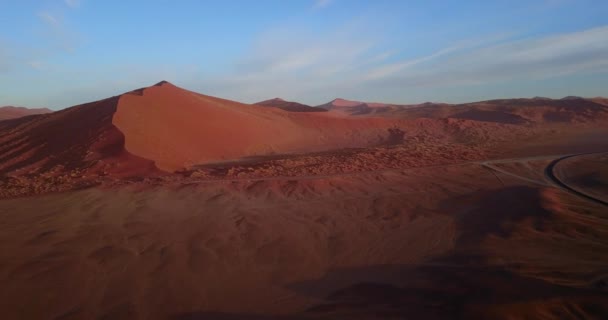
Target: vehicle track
[[552, 179], [550, 174]]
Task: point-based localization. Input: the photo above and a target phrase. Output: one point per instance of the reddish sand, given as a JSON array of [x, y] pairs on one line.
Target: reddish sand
[[430, 243], [9, 112], [197, 207]]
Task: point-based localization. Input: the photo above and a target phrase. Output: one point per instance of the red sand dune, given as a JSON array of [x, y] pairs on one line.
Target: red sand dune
[[168, 128], [339, 102], [173, 128], [177, 128], [10, 112]]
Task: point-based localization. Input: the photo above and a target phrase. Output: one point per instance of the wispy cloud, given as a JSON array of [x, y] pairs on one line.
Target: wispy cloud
[[36, 64], [532, 58], [49, 19], [382, 56], [57, 32], [52, 39], [14, 56], [293, 63], [319, 68], [321, 3], [72, 3], [393, 68]]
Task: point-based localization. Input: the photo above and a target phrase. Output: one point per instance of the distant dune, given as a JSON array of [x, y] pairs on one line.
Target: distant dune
[[358, 108], [9, 112], [289, 105], [570, 109], [352, 107], [514, 111]]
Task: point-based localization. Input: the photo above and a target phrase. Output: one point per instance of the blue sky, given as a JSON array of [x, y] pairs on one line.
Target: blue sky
[[58, 53]]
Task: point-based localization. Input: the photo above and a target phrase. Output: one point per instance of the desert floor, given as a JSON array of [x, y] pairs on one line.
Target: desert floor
[[495, 238]]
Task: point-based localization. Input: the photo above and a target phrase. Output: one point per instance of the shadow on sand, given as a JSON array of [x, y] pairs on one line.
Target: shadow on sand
[[457, 285]]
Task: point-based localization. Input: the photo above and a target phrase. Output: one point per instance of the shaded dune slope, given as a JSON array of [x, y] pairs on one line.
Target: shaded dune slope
[[72, 139]]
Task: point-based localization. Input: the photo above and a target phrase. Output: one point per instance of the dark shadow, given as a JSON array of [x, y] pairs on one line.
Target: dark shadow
[[457, 285], [453, 291], [496, 212], [52, 139], [450, 291]]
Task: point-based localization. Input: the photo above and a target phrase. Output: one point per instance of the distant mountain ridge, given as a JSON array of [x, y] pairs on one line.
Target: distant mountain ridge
[[288, 105], [352, 107]]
